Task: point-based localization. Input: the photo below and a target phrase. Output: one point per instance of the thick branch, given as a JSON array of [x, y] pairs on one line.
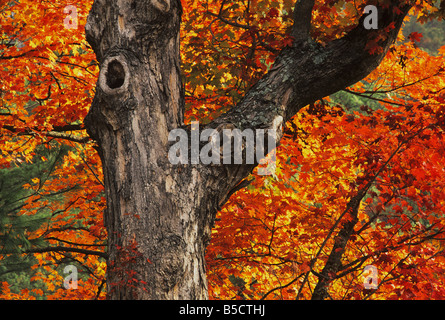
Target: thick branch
[[303, 74], [302, 20], [308, 72]]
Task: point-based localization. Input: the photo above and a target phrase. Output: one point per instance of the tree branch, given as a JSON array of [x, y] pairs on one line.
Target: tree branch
[[65, 136], [282, 287], [302, 74], [67, 249], [302, 20], [58, 132], [373, 98], [333, 264], [76, 244]]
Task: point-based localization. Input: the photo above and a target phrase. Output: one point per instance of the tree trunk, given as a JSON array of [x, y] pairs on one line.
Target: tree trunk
[[159, 215]]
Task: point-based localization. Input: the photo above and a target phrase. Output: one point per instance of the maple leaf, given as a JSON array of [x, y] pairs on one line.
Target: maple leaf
[[415, 36]]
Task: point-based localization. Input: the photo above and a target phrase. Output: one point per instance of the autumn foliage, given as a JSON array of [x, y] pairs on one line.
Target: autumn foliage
[[48, 74], [359, 180]]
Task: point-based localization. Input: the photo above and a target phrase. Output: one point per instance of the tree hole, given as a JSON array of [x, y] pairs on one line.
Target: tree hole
[[115, 75]]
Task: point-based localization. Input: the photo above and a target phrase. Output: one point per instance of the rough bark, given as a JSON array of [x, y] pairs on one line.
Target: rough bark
[[150, 203], [159, 216]]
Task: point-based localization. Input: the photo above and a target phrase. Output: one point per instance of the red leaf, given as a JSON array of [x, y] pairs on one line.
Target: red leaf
[[273, 13], [415, 36]]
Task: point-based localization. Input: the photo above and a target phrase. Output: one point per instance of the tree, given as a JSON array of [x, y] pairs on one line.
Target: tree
[[350, 188], [165, 212]]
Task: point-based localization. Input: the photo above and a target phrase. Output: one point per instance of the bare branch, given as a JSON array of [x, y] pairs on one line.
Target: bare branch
[[59, 132], [282, 287], [66, 136], [67, 249]]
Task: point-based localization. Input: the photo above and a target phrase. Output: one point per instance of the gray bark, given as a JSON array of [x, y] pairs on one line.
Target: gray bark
[[159, 216]]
